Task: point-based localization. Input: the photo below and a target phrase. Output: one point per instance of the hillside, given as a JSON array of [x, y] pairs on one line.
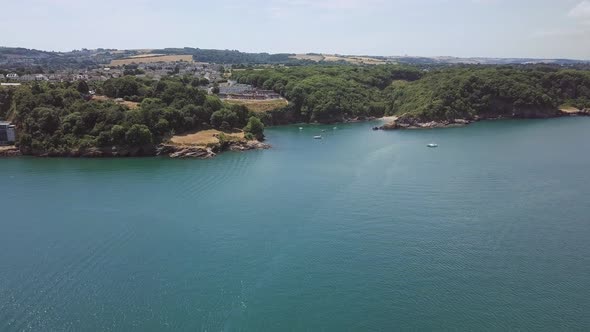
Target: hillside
[[39, 61], [329, 94]]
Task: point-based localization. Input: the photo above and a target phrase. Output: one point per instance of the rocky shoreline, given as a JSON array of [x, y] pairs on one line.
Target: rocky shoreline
[[165, 149], [9, 151], [188, 151], [413, 123]]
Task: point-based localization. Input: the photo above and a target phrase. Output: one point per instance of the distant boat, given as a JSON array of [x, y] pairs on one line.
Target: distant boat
[[300, 128], [317, 137], [334, 128], [432, 145], [323, 130]]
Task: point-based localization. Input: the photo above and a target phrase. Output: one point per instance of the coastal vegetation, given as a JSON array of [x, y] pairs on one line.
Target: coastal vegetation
[[56, 119], [336, 93], [331, 93], [138, 113]]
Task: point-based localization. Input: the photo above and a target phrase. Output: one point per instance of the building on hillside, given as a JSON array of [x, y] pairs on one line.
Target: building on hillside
[[7, 133], [12, 76], [27, 78], [1, 76], [10, 84], [55, 78], [80, 77]]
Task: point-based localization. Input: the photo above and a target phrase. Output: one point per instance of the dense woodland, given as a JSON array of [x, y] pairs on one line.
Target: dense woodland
[[62, 117], [334, 93]]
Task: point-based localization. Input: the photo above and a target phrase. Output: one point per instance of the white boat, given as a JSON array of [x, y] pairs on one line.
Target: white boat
[[432, 145], [317, 137], [300, 128]]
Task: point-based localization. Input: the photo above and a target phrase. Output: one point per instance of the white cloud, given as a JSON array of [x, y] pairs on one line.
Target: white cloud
[[581, 11]]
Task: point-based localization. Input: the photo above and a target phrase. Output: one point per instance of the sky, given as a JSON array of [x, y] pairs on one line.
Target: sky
[[463, 28]]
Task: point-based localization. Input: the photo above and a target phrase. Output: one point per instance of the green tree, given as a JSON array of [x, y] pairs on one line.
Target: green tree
[[255, 127], [138, 135], [104, 138], [82, 87], [118, 134], [224, 115]]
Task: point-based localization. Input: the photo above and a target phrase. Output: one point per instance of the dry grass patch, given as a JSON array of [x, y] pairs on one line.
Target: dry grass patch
[[129, 104], [203, 137], [151, 58], [144, 56], [4, 148], [335, 58], [259, 105], [132, 105], [569, 109], [311, 57]]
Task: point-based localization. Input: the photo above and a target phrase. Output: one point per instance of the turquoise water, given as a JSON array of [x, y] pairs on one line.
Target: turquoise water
[[362, 230]]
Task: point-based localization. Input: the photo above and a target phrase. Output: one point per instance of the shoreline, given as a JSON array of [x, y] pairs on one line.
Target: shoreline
[[187, 151], [170, 150], [399, 123]]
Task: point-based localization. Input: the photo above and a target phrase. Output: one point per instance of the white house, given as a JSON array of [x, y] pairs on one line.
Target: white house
[[12, 76], [7, 133], [80, 77]]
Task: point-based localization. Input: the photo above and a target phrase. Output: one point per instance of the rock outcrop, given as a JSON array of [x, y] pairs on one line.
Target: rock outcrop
[[248, 145], [183, 151], [201, 152], [576, 112], [412, 123], [406, 122], [9, 151]]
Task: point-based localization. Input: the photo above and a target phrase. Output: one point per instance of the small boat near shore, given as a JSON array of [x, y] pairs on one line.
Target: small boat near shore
[[318, 137], [432, 145]]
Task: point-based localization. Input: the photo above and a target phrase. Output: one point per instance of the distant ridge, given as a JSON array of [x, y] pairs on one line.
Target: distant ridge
[[17, 57]]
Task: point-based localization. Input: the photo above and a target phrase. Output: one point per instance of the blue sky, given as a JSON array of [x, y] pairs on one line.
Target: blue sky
[[490, 28]]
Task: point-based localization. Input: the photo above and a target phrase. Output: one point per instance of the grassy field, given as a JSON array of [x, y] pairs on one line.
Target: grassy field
[[311, 57], [144, 56], [203, 137], [569, 109], [151, 58], [334, 58], [259, 105], [4, 148]]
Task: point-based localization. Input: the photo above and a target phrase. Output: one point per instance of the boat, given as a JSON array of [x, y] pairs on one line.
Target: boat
[[432, 145], [334, 128], [300, 128], [317, 137]]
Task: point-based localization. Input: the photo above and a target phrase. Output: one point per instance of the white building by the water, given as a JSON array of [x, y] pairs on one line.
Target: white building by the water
[[7, 133]]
